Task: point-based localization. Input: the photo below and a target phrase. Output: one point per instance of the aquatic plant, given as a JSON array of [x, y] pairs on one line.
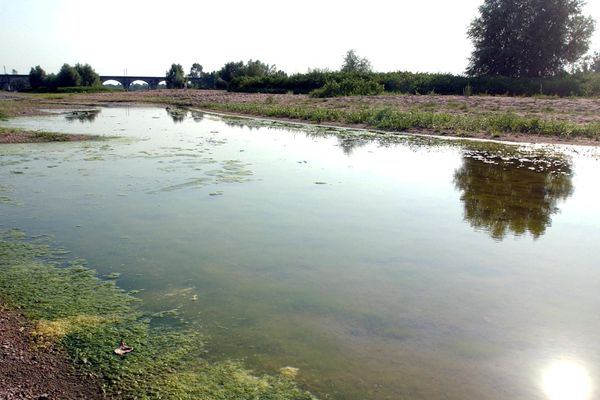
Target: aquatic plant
[[71, 307]]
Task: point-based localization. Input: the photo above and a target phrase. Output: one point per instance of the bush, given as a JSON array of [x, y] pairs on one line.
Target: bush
[[348, 86], [591, 85], [417, 83]]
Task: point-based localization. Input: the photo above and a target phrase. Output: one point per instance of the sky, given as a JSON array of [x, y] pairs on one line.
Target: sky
[[145, 37]]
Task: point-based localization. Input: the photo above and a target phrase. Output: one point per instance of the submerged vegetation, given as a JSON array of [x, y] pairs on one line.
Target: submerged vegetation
[[71, 307]]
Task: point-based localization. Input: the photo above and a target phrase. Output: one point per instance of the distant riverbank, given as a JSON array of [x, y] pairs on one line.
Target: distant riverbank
[[522, 119]]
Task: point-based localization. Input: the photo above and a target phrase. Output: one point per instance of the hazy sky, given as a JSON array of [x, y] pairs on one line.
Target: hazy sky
[[145, 37]]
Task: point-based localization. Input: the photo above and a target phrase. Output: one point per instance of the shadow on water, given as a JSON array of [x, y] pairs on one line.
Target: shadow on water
[[82, 115], [504, 195]]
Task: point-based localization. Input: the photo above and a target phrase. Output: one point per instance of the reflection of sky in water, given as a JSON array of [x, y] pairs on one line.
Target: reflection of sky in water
[[418, 269]]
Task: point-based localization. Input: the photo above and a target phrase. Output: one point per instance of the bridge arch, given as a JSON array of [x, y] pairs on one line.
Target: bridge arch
[[112, 82], [141, 84]]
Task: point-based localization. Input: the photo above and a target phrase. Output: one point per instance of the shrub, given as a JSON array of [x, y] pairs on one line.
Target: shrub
[[591, 85], [349, 86], [417, 83]]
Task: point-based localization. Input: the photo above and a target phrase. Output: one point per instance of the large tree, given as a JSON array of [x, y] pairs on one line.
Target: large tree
[[196, 71], [175, 77], [528, 38], [353, 63], [89, 77], [37, 77], [68, 76]]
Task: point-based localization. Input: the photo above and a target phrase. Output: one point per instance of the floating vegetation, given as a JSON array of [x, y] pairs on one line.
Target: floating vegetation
[[82, 115], [71, 307], [289, 372], [16, 135]]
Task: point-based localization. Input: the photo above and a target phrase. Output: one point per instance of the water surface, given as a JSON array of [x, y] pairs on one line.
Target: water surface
[[381, 266]]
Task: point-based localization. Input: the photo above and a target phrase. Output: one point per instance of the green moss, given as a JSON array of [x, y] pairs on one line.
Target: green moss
[[72, 307]]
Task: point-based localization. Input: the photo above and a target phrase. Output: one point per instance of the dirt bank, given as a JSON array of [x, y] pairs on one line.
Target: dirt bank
[[8, 135], [30, 373]]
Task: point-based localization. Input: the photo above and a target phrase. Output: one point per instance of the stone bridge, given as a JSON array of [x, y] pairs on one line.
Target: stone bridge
[[7, 81]]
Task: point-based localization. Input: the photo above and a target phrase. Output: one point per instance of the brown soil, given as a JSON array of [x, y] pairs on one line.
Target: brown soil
[[30, 373], [577, 110]]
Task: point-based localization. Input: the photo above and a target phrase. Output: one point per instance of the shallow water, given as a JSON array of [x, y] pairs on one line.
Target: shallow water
[[383, 267]]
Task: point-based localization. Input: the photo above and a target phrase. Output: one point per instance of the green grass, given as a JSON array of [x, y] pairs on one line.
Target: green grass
[[70, 306], [390, 119]]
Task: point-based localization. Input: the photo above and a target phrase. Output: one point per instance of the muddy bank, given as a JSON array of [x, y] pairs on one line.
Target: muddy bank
[[27, 372], [8, 135]]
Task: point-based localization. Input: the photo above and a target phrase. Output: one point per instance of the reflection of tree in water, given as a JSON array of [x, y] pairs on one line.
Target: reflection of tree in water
[[82, 115], [518, 195], [177, 114], [350, 143], [198, 116]]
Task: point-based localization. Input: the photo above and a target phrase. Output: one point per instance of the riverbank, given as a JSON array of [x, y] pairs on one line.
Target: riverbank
[[521, 119], [60, 322]]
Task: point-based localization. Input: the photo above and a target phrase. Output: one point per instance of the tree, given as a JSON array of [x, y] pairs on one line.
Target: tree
[[196, 71], [252, 68], [259, 68], [37, 77], [355, 64], [89, 77], [232, 70], [175, 77], [528, 38], [68, 76]]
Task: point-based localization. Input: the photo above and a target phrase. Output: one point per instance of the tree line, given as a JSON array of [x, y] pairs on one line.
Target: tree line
[[521, 47], [67, 76]]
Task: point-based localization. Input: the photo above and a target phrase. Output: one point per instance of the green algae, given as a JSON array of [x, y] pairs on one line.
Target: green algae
[[43, 136], [71, 307]]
